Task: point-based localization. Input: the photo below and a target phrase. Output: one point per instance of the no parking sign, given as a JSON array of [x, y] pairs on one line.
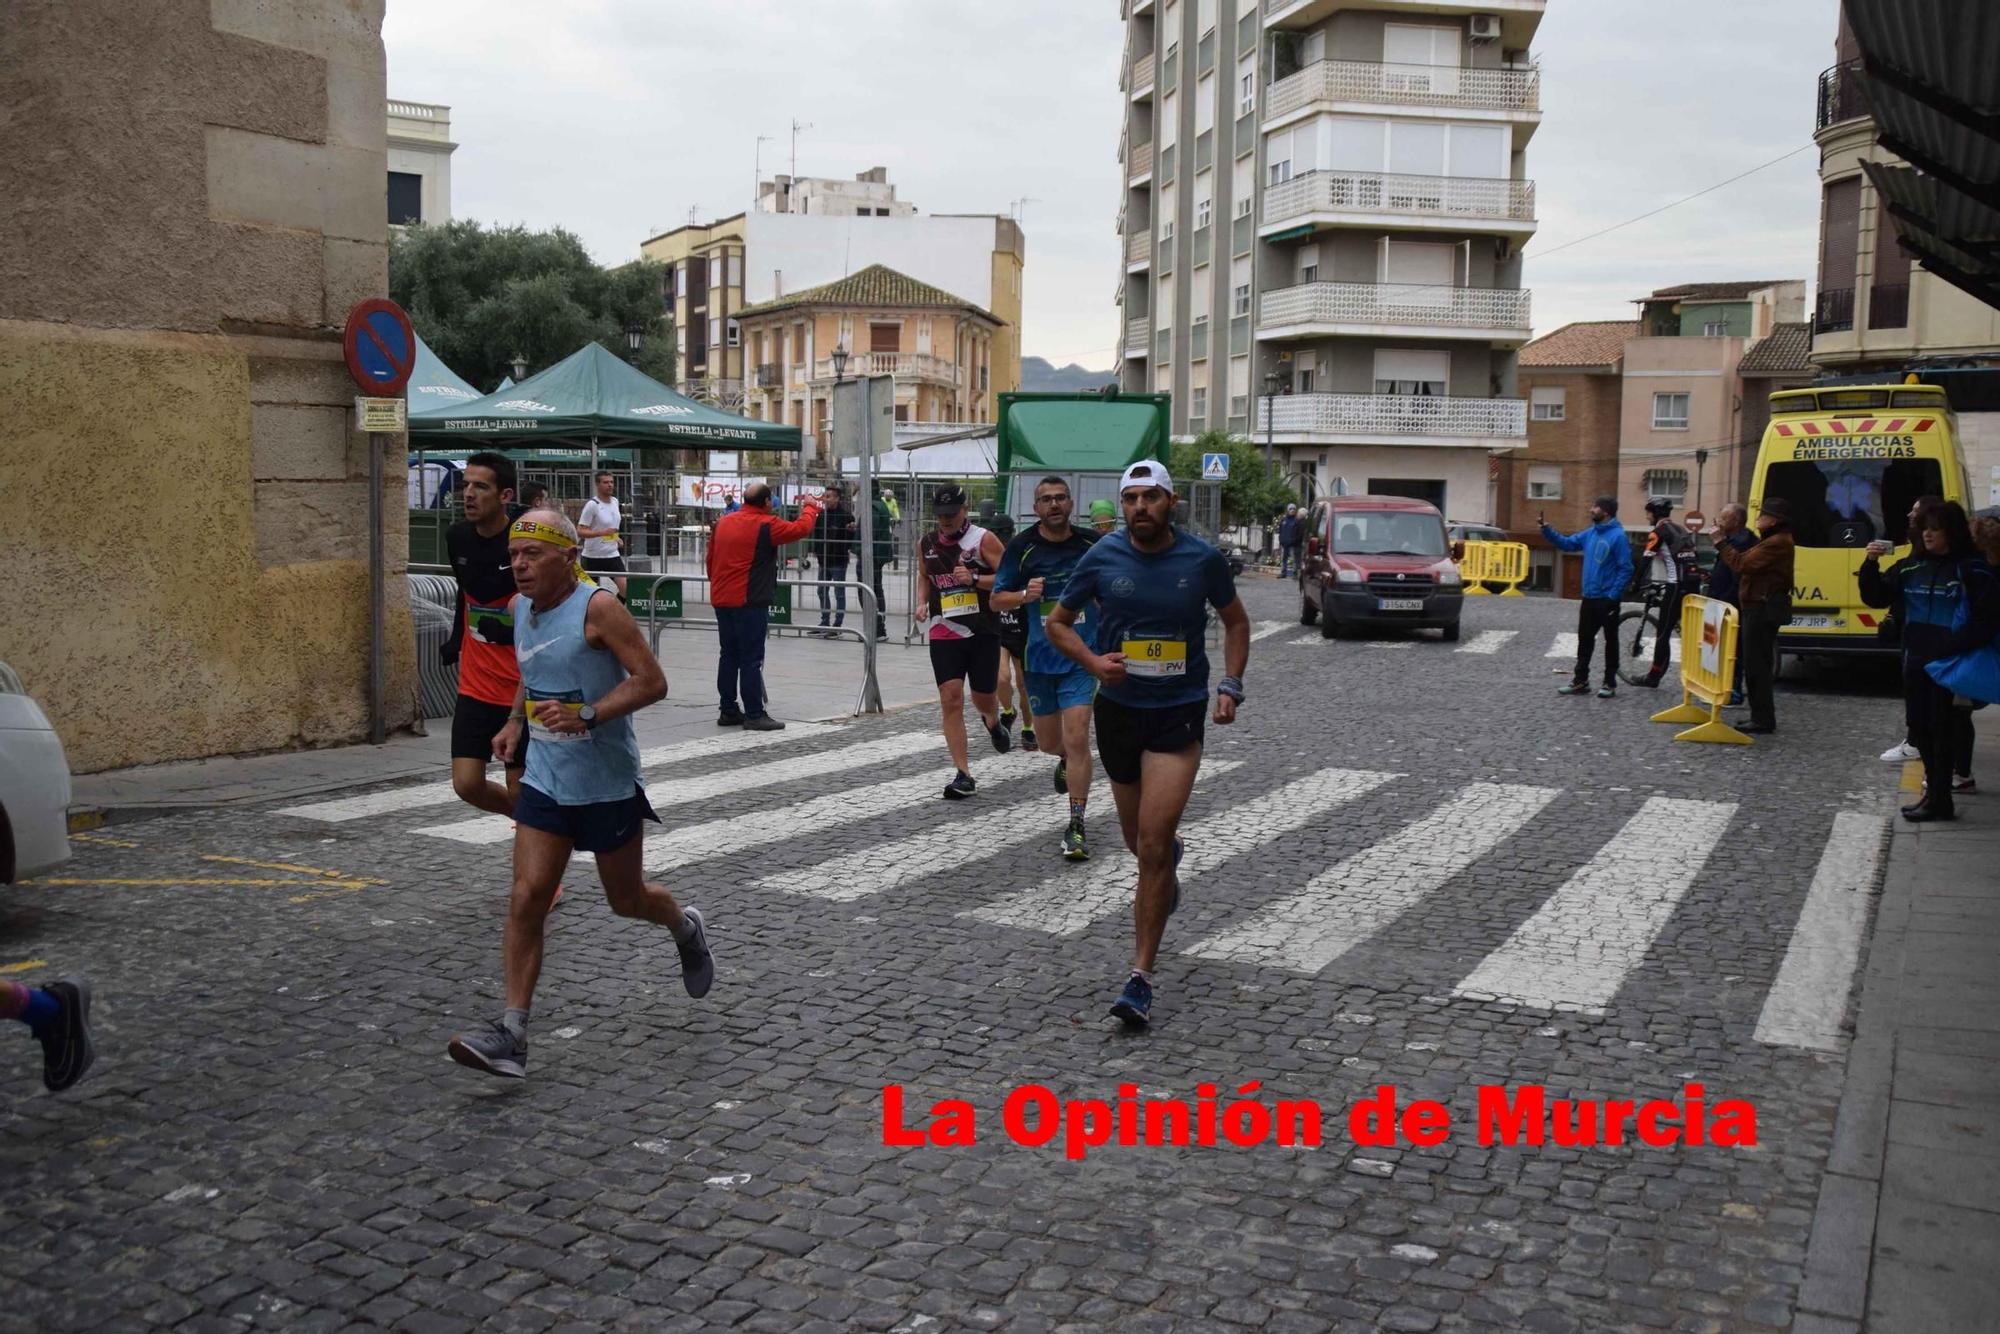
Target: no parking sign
[[380, 346]]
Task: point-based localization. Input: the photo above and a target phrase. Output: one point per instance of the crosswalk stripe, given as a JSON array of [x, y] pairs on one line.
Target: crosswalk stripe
[[440, 794], [1066, 904], [1488, 641], [1265, 629], [1806, 1004], [499, 829], [1341, 908], [859, 875], [1563, 647], [1574, 953], [666, 849], [1304, 641]]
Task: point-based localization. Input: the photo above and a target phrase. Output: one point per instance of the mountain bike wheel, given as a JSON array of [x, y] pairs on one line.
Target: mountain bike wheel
[[1638, 632]]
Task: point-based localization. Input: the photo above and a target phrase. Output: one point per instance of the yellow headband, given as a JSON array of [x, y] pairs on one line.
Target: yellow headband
[[537, 531]]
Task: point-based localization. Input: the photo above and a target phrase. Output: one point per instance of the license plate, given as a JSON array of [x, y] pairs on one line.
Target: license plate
[[1813, 622], [1399, 604]]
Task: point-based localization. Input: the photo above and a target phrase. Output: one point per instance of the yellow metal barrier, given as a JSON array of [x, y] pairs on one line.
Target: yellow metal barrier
[[1472, 569], [1494, 563], [1708, 671]]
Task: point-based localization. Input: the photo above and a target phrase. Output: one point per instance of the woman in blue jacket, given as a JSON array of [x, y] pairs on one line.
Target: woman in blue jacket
[[1607, 573], [1947, 601]]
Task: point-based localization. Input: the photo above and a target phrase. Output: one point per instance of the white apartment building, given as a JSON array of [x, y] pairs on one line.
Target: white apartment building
[[420, 150], [869, 195], [1328, 199]]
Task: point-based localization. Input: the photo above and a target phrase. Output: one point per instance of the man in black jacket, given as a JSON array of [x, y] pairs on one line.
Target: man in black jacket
[[832, 546]]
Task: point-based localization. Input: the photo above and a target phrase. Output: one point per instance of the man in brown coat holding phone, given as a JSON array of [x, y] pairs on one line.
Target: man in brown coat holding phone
[[1764, 592]]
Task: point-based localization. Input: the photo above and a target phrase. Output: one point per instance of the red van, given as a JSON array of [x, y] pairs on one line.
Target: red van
[[1377, 562]]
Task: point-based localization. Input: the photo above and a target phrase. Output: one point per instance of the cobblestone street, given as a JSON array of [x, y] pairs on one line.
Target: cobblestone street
[[1410, 863]]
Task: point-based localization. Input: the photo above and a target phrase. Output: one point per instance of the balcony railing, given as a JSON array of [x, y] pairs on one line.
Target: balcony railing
[[1394, 415], [1889, 306], [1135, 337], [1139, 161], [908, 365], [1835, 311], [1460, 198], [1485, 310], [770, 375], [1142, 74], [1840, 96], [1509, 90], [1139, 248]]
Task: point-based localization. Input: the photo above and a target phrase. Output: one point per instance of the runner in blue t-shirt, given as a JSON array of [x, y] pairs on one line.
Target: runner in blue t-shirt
[[1152, 585], [1033, 574]]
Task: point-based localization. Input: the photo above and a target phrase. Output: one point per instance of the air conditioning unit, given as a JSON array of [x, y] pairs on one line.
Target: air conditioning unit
[[1485, 27]]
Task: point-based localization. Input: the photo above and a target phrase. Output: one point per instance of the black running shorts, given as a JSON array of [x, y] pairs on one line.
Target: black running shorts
[[474, 724], [604, 564], [975, 660], [600, 826], [1125, 733]]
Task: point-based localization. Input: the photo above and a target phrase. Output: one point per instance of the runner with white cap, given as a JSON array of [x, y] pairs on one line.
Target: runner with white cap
[[1153, 585]]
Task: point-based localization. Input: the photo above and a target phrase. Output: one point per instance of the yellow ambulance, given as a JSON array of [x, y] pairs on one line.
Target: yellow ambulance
[[1850, 460]]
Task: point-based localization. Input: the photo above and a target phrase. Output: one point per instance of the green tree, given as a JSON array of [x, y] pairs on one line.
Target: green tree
[[480, 296], [1249, 496]]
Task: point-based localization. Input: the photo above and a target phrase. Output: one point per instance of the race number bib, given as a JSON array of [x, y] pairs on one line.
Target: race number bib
[[572, 703], [1155, 657], [956, 602]]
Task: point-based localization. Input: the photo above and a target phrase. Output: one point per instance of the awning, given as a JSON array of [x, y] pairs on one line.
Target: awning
[[592, 396], [434, 387], [1081, 432], [1951, 234], [528, 456]]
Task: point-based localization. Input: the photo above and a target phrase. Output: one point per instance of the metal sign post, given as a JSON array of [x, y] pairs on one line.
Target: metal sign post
[[380, 348], [864, 421]]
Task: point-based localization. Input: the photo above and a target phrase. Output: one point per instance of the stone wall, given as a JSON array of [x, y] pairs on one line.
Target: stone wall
[[199, 198]]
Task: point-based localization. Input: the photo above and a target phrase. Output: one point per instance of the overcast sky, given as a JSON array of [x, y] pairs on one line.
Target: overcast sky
[[613, 118]]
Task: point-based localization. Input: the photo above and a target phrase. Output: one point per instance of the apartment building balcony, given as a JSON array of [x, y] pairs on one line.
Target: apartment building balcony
[[1138, 251], [1840, 96], [1139, 163], [1377, 199], [1136, 340], [912, 367], [1142, 77], [1518, 18], [1510, 95], [1394, 310], [1394, 419], [769, 375]]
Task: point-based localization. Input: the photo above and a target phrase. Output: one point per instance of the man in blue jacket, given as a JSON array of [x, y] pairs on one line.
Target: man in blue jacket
[[1607, 572]]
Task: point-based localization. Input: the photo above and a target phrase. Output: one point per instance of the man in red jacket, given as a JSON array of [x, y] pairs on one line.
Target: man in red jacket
[[742, 574]]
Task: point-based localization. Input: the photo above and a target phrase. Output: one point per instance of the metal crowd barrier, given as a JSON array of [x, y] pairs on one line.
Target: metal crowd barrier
[[433, 609], [646, 586]]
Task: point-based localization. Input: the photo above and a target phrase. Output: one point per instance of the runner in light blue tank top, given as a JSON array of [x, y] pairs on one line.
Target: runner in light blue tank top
[[585, 670]]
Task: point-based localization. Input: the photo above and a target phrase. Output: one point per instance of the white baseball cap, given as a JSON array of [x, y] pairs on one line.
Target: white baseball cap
[[1146, 472]]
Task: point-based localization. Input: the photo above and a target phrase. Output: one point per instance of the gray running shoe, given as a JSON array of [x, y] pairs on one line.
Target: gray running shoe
[[697, 964], [960, 787], [496, 1051], [66, 1047]]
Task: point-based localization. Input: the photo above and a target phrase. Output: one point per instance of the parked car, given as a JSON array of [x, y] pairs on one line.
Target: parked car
[[1458, 530], [1379, 561], [34, 785]]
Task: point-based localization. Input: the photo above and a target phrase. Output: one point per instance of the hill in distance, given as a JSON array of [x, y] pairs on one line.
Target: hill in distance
[[1039, 377]]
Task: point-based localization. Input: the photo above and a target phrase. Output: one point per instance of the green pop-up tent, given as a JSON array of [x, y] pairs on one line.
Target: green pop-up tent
[[1081, 432], [434, 387], [593, 398]]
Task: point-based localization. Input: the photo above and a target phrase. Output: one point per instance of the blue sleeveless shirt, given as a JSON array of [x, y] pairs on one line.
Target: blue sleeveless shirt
[[558, 663]]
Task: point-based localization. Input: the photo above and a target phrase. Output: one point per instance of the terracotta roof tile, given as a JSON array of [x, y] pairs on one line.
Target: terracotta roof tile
[[1786, 350], [876, 285], [1718, 291], [1589, 343]]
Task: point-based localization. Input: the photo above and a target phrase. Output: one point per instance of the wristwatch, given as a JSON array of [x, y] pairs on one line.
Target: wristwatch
[[587, 715]]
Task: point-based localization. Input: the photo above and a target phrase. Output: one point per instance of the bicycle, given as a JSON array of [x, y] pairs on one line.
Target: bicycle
[[1639, 632]]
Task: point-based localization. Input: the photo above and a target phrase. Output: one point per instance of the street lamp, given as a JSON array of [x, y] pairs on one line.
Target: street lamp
[[635, 334], [519, 365], [1270, 417], [840, 363]]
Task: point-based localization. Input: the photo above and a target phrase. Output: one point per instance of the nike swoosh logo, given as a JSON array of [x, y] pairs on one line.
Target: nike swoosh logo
[[523, 654]]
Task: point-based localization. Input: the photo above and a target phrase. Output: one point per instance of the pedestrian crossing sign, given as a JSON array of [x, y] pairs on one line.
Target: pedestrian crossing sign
[[1215, 467]]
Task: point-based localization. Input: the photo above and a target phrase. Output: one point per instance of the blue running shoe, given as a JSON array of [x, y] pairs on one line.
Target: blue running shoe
[[1134, 1005]]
